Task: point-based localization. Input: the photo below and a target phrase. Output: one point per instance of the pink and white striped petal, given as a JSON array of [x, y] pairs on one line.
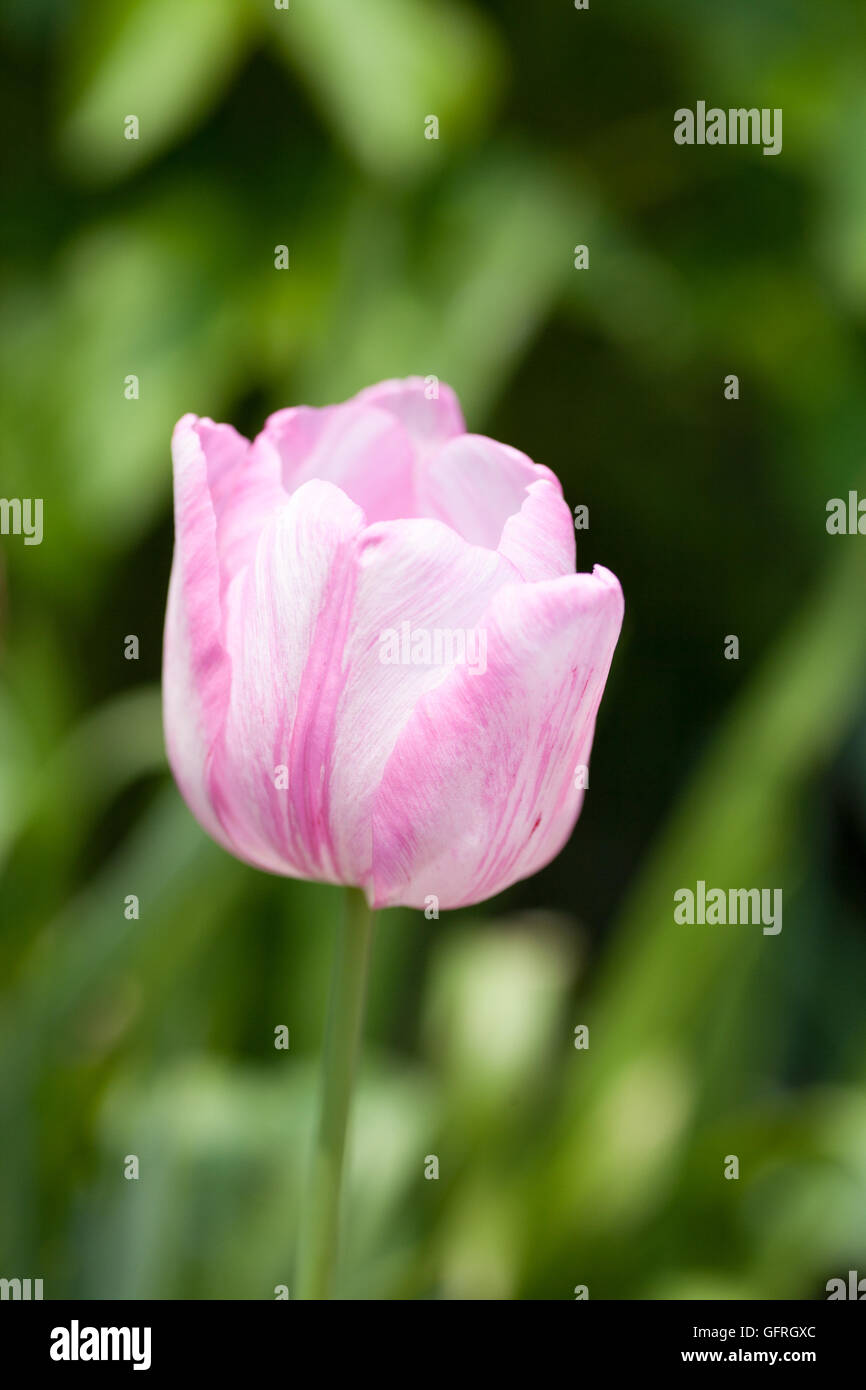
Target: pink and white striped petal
[[480, 789]]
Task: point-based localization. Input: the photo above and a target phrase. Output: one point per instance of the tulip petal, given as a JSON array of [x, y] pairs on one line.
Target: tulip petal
[[539, 539], [310, 730], [286, 627], [253, 492], [474, 485], [479, 790], [196, 667], [364, 451], [428, 421], [420, 594]]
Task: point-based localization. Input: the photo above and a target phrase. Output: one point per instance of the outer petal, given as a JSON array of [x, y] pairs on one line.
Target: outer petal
[[196, 670], [479, 791], [539, 539], [286, 627], [416, 578], [475, 484], [310, 691], [250, 494], [365, 451], [429, 422]]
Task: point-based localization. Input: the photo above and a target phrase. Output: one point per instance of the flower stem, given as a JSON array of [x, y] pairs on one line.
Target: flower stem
[[317, 1257]]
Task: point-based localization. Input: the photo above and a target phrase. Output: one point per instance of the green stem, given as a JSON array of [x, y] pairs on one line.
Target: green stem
[[317, 1257]]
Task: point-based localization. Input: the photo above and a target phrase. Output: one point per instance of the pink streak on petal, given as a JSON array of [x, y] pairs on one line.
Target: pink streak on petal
[[196, 667], [479, 792], [288, 614], [412, 572]]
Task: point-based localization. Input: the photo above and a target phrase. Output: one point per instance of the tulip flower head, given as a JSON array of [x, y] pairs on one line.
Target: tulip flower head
[[380, 666]]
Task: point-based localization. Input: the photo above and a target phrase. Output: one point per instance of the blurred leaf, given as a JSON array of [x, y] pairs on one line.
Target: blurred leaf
[[463, 300], [736, 819], [381, 68], [141, 295], [163, 61], [668, 992], [495, 1005], [223, 1153], [16, 762]]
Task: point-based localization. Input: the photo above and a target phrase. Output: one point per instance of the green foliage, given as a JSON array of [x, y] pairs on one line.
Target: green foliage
[[154, 1037]]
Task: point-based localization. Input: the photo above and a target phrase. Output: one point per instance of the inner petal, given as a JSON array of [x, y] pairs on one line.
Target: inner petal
[[474, 485], [363, 450]]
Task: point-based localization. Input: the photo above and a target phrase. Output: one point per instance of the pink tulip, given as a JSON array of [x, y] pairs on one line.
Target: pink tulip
[[313, 724]]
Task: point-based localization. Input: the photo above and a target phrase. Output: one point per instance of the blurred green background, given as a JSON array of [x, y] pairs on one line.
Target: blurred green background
[[154, 1037]]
